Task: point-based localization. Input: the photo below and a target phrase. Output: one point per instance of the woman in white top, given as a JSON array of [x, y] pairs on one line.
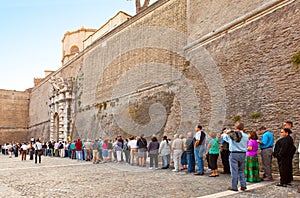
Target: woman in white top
[[165, 151]]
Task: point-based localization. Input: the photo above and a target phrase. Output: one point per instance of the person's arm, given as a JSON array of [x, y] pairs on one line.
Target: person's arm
[[208, 147], [250, 146]]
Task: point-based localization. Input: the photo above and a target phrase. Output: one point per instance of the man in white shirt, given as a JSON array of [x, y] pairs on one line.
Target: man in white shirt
[[199, 149]]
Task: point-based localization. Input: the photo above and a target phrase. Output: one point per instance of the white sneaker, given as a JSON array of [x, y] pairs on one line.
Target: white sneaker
[[174, 170], [150, 168], [156, 168]]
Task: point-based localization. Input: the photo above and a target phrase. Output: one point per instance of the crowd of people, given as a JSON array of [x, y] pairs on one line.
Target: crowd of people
[[237, 147]]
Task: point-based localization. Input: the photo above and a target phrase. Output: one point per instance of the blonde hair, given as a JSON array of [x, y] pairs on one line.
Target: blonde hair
[[212, 134]]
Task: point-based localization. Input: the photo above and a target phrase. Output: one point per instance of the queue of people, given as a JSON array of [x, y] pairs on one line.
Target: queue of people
[[238, 149]]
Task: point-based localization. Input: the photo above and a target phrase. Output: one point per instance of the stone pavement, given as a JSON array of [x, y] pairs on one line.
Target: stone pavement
[[62, 177]]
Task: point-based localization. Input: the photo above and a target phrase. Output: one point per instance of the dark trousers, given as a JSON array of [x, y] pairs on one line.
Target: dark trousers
[[225, 160], [31, 155], [213, 161], [37, 156], [286, 173], [190, 161], [154, 157]]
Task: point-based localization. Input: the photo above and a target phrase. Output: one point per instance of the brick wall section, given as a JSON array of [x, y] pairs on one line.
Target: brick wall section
[[13, 115], [255, 62], [206, 16]]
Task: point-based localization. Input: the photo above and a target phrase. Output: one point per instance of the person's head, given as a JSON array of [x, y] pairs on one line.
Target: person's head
[[154, 139], [285, 132], [288, 125], [165, 137], [189, 135], [239, 126], [262, 129], [199, 128], [212, 134], [252, 135], [176, 136]]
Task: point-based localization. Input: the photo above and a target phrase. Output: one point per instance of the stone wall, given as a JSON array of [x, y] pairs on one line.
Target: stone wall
[[13, 115], [155, 74], [207, 16]]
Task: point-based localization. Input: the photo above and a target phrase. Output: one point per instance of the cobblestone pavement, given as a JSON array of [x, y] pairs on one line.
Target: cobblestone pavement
[[62, 177]]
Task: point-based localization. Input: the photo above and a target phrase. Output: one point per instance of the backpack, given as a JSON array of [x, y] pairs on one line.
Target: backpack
[[236, 136]]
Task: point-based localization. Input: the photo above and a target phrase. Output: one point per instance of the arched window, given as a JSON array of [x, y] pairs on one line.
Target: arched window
[[74, 49]]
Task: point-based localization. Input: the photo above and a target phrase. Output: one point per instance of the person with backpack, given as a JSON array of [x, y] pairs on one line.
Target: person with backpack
[[237, 140]]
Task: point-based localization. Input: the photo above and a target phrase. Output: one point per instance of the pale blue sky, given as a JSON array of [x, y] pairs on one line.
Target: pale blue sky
[[32, 30]]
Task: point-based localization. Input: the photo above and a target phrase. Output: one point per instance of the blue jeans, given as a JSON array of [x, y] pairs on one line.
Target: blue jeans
[[165, 160], [237, 166], [199, 152], [79, 155], [190, 161]]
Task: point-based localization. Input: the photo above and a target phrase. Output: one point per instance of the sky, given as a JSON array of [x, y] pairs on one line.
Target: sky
[[32, 30]]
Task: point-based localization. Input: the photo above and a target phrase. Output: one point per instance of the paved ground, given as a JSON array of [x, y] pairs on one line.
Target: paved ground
[[62, 177]]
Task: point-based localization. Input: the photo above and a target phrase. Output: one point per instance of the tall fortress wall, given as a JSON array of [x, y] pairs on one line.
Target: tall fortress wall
[[174, 65]]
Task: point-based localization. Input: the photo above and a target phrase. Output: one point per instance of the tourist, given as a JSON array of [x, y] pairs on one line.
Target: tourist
[[100, 155], [56, 149], [115, 146], [165, 151], [213, 153], [266, 145], [142, 150], [252, 165], [238, 147], [38, 150], [10, 149], [199, 149], [78, 146], [96, 148], [31, 150], [284, 152], [24, 149], [73, 150], [183, 159], [133, 150], [105, 150], [89, 149], [118, 146], [224, 150], [289, 125], [207, 155], [189, 148], [126, 151], [177, 148], [110, 148], [50, 149], [83, 149], [153, 148]]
